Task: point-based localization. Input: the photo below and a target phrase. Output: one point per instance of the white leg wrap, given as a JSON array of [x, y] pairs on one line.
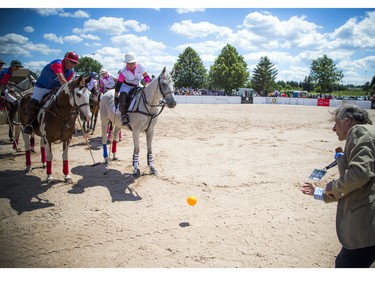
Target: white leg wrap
[[150, 160], [135, 161]]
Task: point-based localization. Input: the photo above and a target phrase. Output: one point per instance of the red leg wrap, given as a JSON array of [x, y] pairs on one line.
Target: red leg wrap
[[28, 158], [65, 167], [43, 154], [114, 146], [49, 167]]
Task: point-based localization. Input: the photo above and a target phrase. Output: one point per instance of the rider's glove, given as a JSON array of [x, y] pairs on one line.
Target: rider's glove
[[117, 100]]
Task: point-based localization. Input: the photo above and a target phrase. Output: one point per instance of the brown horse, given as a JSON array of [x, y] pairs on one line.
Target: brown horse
[[55, 121]]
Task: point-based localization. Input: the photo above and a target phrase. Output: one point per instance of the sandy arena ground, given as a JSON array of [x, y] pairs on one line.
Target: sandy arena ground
[[244, 163]]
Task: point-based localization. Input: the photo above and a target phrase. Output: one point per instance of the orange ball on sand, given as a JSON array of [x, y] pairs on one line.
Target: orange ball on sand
[[192, 200]]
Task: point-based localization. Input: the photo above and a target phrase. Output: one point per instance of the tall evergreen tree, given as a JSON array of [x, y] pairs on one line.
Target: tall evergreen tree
[[325, 74], [189, 70], [229, 70], [264, 76]]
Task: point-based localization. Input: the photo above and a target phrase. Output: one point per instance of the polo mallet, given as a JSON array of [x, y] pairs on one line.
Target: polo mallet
[[84, 135]]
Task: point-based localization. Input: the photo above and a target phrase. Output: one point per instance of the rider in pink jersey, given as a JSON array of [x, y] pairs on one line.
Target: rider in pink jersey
[[128, 79]]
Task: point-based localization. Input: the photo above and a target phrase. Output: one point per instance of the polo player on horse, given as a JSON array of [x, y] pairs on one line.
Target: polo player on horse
[[128, 79], [53, 76], [5, 74]]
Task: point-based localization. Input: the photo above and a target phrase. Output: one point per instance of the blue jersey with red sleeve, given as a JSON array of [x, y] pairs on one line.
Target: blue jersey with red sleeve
[[48, 77], [5, 75]]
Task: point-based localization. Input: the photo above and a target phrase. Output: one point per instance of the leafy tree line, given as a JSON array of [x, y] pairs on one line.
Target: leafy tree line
[[229, 72]]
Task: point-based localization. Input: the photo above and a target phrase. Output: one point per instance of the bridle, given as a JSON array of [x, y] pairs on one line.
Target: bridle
[[161, 103]]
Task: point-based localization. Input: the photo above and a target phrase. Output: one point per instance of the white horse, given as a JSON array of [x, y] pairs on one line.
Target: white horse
[[143, 114], [55, 121]]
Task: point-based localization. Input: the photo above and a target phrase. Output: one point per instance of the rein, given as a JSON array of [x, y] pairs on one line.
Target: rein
[[53, 107], [143, 98]]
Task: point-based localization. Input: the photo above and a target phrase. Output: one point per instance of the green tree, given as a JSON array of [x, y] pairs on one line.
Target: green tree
[[189, 70], [372, 87], [87, 65], [307, 84], [264, 76], [325, 74], [229, 70]]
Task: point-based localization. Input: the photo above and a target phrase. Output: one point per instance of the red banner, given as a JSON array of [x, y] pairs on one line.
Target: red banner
[[323, 102]]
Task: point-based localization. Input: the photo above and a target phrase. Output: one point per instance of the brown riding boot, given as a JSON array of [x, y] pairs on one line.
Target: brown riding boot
[[30, 112]]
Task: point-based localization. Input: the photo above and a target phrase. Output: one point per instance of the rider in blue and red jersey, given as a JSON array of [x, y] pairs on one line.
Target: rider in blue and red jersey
[[5, 75], [54, 75]]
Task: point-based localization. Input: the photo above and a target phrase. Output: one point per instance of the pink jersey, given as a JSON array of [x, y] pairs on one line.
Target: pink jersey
[[132, 77]]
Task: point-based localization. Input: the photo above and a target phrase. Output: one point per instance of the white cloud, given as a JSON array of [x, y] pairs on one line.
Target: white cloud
[[13, 38], [112, 26], [53, 37], [296, 31], [29, 29], [74, 39], [189, 10], [19, 45], [355, 33], [198, 30], [45, 12], [139, 45]]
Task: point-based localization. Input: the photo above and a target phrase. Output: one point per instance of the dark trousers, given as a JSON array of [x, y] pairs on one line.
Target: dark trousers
[[357, 258]]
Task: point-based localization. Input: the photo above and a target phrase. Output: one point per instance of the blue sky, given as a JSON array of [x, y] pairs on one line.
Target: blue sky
[[290, 37]]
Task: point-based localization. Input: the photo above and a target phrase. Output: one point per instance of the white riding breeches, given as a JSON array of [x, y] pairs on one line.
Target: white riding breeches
[[9, 97], [39, 93]]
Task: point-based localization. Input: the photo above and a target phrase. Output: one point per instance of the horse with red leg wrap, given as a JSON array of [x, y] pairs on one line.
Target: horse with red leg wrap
[[55, 121]]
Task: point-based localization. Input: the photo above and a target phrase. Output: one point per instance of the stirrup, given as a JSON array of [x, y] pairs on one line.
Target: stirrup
[[125, 120], [28, 129]]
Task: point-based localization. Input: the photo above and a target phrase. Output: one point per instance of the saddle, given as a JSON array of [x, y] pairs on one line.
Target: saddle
[[44, 100], [132, 94]]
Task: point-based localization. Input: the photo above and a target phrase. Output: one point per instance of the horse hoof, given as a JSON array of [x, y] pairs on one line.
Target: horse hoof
[[136, 173], [114, 158], [50, 179], [28, 169], [68, 179], [153, 171], [44, 165]]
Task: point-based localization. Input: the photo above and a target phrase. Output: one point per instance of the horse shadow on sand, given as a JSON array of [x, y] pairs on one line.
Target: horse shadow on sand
[[24, 191], [118, 184], [95, 143]]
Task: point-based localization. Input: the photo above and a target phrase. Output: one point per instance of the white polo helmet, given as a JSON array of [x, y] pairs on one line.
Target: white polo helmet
[[130, 58], [102, 71]]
